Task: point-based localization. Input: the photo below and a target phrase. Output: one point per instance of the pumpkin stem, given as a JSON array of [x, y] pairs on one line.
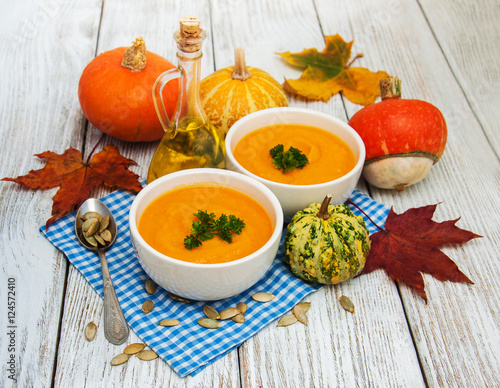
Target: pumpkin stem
[[323, 210], [240, 71], [390, 88], [135, 56]]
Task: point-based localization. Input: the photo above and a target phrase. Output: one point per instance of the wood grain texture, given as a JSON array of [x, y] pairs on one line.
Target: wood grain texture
[[344, 345], [441, 50], [38, 112], [467, 34], [449, 338], [121, 23]]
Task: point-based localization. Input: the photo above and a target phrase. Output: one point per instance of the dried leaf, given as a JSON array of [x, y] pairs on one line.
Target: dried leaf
[[329, 72], [77, 179], [409, 245]]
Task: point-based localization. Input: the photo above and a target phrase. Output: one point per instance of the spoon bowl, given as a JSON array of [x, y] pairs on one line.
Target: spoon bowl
[[116, 329]]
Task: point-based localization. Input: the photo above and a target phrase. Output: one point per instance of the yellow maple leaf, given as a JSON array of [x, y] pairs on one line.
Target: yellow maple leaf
[[328, 72]]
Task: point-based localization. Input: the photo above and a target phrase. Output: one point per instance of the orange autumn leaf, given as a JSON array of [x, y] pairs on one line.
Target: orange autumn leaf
[[77, 179], [329, 72]]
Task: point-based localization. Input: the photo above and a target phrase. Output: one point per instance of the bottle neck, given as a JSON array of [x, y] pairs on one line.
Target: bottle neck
[[190, 64]]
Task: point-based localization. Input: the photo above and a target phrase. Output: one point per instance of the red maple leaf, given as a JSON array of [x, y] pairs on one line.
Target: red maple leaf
[[77, 179], [409, 245]]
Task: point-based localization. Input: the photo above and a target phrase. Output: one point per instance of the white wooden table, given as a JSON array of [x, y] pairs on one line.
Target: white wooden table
[[446, 52]]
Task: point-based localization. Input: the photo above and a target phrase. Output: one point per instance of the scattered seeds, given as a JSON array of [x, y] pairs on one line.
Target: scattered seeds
[[134, 348], [229, 313], [346, 303], [150, 287], [300, 314], [148, 306], [169, 322], [305, 306], [90, 331], [210, 312], [120, 359], [263, 297], [238, 318], [287, 320], [209, 323], [178, 298], [242, 306], [147, 355]]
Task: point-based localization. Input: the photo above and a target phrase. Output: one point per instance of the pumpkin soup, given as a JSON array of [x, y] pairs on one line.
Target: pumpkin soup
[[167, 220], [328, 155]]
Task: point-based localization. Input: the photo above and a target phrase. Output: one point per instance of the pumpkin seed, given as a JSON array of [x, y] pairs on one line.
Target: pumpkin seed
[[93, 227], [147, 355], [169, 322], [104, 223], [150, 287], [287, 320], [89, 215], [90, 331], [229, 313], [305, 306], [178, 298], [209, 323], [106, 235], [148, 306], [210, 312], [91, 240], [134, 348], [99, 239], [346, 303], [242, 306], [300, 314], [263, 297], [238, 318], [120, 359]]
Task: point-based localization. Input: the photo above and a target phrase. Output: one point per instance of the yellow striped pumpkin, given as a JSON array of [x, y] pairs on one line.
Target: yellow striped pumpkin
[[230, 93]]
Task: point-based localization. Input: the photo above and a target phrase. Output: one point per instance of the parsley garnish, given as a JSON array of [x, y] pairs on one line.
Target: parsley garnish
[[289, 160], [208, 226]]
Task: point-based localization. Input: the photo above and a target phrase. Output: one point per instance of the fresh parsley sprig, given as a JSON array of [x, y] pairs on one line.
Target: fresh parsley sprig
[[208, 225], [289, 160]]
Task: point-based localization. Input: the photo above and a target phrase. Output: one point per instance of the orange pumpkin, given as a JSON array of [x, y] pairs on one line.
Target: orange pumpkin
[[235, 91], [115, 93]]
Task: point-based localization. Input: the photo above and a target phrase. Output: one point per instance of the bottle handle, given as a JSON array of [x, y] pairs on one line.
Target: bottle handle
[[159, 104]]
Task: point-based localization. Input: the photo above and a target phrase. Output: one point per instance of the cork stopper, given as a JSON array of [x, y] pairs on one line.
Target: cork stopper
[[390, 88], [190, 40]]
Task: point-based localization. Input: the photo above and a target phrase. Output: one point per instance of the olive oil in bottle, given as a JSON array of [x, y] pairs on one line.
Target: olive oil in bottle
[[190, 140]]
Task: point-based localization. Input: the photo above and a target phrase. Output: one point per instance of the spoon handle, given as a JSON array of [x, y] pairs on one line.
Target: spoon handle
[[116, 329]]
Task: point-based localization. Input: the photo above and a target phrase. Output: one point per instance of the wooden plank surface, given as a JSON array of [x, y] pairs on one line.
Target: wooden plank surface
[[441, 50], [449, 339], [39, 112]]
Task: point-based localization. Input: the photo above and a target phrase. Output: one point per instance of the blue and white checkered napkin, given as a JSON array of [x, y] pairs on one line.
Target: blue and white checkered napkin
[[187, 347]]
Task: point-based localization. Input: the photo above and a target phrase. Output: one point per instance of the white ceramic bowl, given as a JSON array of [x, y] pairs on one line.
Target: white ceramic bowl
[[206, 281], [296, 197]]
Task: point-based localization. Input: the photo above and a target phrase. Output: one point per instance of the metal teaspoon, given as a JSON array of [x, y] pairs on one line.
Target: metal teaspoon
[[116, 329]]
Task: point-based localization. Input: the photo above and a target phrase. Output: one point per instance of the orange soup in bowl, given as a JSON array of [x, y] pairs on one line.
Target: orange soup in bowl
[[168, 220], [329, 157]]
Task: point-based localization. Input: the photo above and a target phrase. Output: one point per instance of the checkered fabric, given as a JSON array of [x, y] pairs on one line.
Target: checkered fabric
[[187, 347]]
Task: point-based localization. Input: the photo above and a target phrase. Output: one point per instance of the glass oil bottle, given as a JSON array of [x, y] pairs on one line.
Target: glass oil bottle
[[190, 140]]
